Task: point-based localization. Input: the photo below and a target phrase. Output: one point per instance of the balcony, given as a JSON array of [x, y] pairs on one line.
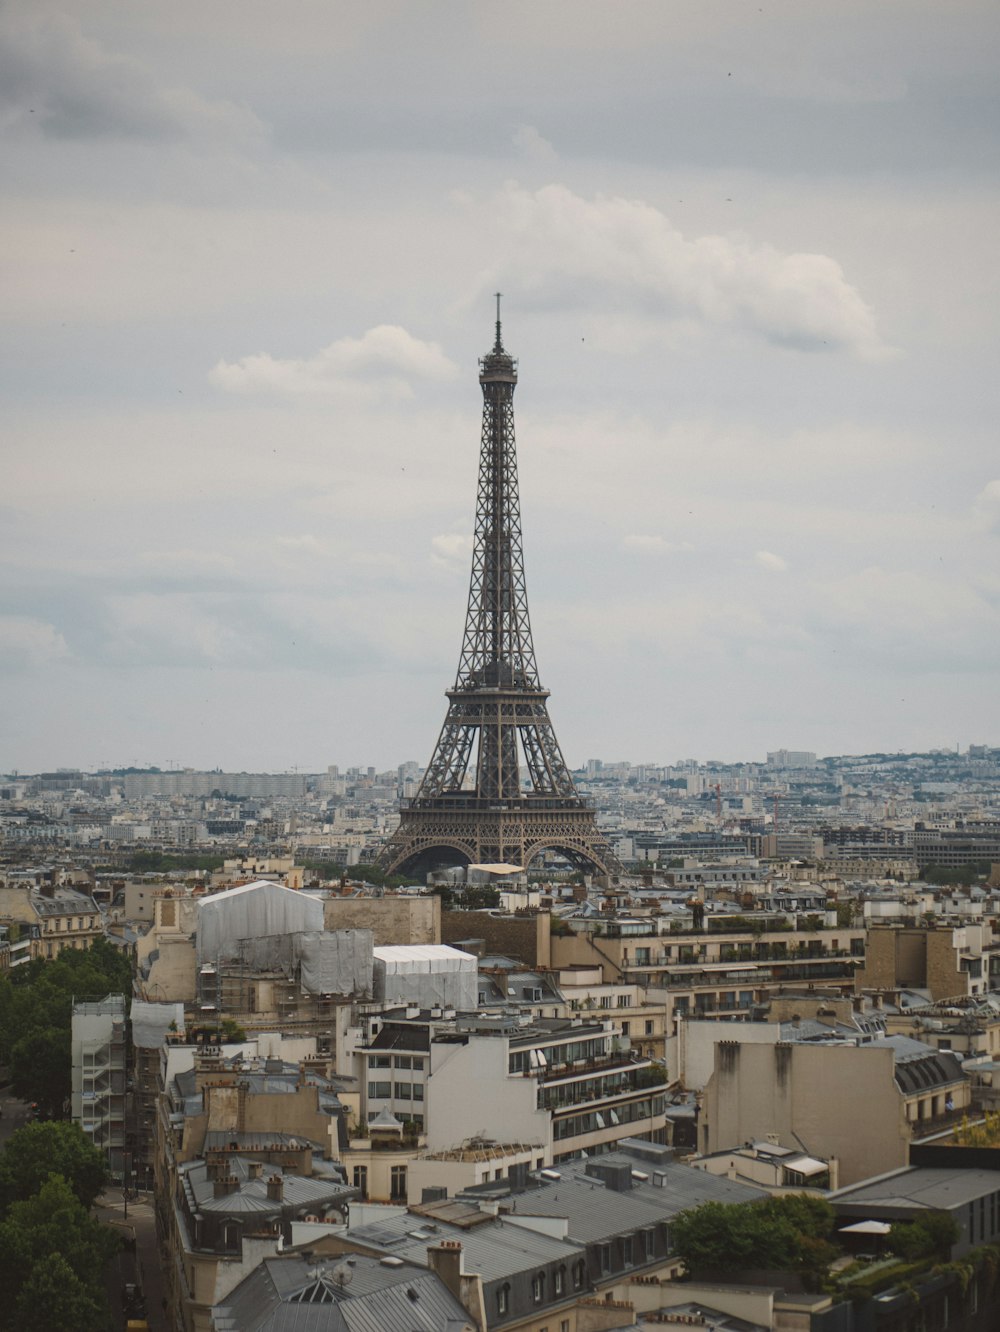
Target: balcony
[[570, 1095], [586, 1068]]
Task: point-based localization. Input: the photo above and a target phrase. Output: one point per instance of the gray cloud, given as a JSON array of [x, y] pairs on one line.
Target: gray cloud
[[71, 86]]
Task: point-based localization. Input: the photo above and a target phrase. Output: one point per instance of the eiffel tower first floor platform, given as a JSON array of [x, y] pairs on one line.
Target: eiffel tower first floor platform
[[465, 829]]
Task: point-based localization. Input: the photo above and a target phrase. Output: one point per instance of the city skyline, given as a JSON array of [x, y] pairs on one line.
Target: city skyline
[[749, 275]]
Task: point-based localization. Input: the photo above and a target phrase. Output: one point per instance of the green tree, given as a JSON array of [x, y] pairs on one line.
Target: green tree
[[232, 1031], [34, 1152], [928, 1236], [53, 1296], [52, 1223], [480, 898], [844, 914], [40, 1069], [786, 1233]]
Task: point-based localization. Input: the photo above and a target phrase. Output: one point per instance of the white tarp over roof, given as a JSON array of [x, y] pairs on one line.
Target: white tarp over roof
[[151, 1022], [273, 928], [426, 975], [250, 911]]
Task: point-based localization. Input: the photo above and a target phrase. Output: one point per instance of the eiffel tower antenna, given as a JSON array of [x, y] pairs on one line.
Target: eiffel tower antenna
[[497, 788]]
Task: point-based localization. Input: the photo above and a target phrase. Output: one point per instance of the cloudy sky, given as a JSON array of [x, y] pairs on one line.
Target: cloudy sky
[[749, 263]]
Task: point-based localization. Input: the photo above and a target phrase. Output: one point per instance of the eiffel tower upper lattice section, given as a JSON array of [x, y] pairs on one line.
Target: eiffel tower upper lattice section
[[497, 650]]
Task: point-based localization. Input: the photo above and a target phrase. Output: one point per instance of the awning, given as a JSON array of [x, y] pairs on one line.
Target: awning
[[866, 1228]]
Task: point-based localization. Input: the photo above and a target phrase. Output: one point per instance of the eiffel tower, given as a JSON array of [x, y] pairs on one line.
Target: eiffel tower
[[497, 788]]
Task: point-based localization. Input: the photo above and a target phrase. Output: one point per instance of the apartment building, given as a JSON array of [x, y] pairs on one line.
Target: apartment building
[[716, 972], [563, 1086], [948, 961], [807, 1095], [55, 917]]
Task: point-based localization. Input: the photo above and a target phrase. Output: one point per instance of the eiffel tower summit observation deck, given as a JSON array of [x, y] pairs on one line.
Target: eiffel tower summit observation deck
[[497, 788]]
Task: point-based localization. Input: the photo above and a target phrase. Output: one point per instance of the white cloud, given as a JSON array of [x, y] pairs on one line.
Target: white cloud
[[654, 545], [451, 548], [387, 355], [623, 254], [28, 643], [533, 145], [987, 507], [768, 560]]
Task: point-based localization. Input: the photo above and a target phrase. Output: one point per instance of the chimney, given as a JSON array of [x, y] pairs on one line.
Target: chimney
[[255, 1169], [275, 1189], [225, 1186], [445, 1259]]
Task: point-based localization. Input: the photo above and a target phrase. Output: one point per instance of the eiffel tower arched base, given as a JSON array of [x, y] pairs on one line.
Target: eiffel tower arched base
[[436, 833]]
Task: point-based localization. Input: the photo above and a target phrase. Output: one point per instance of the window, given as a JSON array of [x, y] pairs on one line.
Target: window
[[401, 1091], [579, 1272], [361, 1180], [559, 1281], [503, 1298], [626, 1028], [623, 1001], [538, 1287], [649, 1027], [605, 1256], [418, 1091], [402, 1061], [380, 1089], [397, 1183], [380, 1061], [627, 1249]]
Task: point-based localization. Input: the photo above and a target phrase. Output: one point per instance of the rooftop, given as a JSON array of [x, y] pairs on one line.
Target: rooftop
[[917, 1187]]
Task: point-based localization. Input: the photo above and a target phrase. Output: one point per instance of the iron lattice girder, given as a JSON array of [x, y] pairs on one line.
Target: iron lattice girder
[[497, 710], [498, 718], [509, 836]]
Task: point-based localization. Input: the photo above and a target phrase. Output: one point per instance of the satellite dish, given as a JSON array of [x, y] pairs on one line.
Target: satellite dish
[[342, 1275]]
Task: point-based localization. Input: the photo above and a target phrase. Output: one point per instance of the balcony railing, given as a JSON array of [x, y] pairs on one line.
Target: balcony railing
[[587, 1068]]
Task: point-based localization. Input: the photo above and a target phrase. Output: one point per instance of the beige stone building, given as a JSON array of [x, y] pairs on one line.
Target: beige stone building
[[56, 917], [862, 1104], [949, 961], [713, 973]]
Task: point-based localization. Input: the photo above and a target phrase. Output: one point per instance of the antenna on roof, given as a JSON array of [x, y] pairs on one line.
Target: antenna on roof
[[499, 345]]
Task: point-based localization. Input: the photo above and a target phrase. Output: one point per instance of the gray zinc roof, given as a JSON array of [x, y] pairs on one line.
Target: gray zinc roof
[[921, 1187], [353, 1293], [495, 1248], [595, 1212]]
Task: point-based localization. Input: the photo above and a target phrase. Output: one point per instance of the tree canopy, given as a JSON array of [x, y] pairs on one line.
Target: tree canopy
[[930, 1235], [34, 1152], [782, 1233], [37, 1235]]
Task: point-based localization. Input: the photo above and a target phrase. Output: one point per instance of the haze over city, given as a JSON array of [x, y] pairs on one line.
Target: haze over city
[[748, 265]]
